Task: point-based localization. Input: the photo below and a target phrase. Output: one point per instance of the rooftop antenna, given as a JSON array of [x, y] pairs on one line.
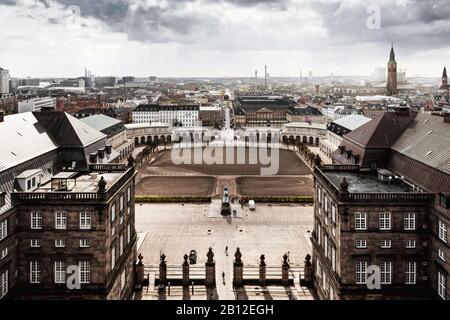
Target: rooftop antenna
[[265, 78]]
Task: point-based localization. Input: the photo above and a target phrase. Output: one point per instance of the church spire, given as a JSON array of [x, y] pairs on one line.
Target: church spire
[[444, 74], [392, 56]]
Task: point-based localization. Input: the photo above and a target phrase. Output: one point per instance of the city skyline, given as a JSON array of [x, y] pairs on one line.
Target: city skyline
[[205, 38]]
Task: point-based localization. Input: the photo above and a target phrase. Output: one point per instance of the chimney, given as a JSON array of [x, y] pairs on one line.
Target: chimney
[[108, 149], [101, 153], [2, 115]]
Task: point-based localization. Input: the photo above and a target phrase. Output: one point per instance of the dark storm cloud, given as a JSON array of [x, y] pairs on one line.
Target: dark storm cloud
[[409, 23], [8, 2], [413, 24]]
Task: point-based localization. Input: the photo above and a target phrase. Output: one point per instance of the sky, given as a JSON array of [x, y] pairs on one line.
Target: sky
[[222, 38]]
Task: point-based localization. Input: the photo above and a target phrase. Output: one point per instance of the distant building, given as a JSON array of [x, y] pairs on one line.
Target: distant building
[[101, 82], [305, 114], [4, 81], [261, 110], [305, 132], [8, 103], [392, 74], [80, 83], [36, 104], [211, 115], [121, 113], [186, 115]]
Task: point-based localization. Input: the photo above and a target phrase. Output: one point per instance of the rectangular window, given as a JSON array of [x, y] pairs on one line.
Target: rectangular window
[[85, 220], [121, 203], [85, 271], [61, 220], [386, 272], [442, 285], [386, 244], [36, 220], [129, 194], [113, 213], [410, 272], [35, 272], [441, 254], [333, 213], [113, 257], [385, 221], [410, 244], [442, 231], [361, 272], [3, 283], [129, 233], [85, 243], [60, 243], [361, 244], [121, 244], [60, 272], [3, 229], [113, 231], [360, 221], [4, 253], [123, 279], [409, 221], [35, 243]]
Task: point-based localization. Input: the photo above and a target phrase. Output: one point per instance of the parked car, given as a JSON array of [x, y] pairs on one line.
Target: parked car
[[193, 257], [252, 204]]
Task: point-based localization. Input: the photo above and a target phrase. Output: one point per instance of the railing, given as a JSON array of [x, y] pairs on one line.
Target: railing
[[107, 168], [340, 168], [366, 197], [57, 196], [390, 196]]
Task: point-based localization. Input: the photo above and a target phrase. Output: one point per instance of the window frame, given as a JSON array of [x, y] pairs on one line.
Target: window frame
[[385, 221], [360, 221]]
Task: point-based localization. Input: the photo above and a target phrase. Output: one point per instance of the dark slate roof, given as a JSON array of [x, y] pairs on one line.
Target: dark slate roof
[[382, 131], [305, 111], [66, 130]]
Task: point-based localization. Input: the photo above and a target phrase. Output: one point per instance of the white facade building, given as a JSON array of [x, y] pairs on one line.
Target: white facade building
[[4, 81], [36, 104], [187, 115]]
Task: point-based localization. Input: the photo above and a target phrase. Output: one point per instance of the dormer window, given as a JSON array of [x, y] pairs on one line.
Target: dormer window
[[444, 200], [348, 154], [341, 149]]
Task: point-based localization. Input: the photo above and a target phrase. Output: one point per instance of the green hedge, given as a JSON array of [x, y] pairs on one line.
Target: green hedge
[[152, 199], [293, 199]]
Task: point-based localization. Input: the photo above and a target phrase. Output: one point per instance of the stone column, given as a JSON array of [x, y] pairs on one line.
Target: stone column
[[140, 272], [163, 269], [262, 271], [238, 269], [186, 271], [285, 271], [308, 271], [210, 268]]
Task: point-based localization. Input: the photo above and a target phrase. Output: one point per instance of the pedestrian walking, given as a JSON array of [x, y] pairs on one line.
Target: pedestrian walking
[[226, 250]]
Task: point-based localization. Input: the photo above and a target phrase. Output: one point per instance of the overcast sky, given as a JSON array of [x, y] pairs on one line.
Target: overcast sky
[[221, 38]]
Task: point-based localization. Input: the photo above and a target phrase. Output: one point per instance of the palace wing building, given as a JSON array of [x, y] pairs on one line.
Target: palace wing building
[[383, 209]]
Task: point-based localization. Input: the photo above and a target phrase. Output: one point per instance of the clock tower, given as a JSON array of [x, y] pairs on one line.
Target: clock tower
[[444, 80], [392, 74]]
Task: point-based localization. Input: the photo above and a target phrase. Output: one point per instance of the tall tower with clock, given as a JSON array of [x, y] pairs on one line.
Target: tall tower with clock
[[392, 74]]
